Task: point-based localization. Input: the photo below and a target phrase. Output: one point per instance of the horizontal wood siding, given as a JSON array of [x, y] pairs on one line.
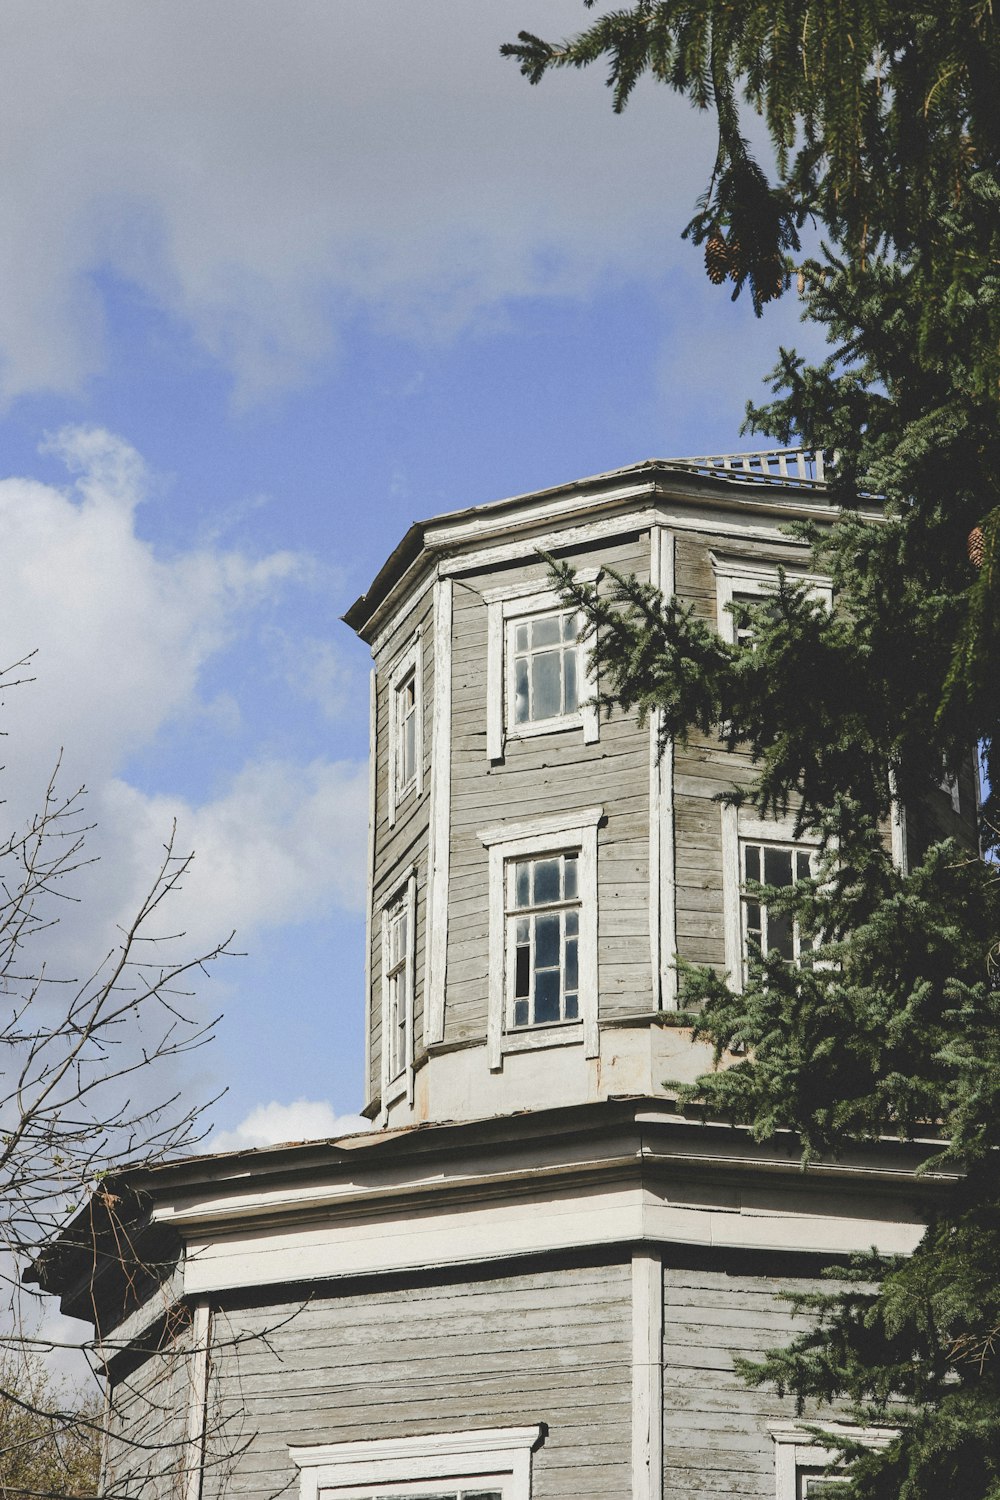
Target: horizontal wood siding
[[716, 1445], [147, 1451], [551, 1346], [540, 775]]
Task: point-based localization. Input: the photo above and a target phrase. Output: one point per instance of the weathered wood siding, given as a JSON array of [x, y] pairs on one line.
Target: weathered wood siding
[[405, 842], [545, 774], [715, 1439], [147, 1451], [550, 1345]]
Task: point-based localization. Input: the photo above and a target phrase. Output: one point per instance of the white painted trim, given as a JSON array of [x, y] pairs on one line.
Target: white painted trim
[[897, 828], [662, 853], [497, 1458], [506, 841], [746, 575], [439, 853], [795, 1450], [370, 896], [647, 1375], [201, 1329], [402, 893], [409, 602], [505, 606], [411, 661]]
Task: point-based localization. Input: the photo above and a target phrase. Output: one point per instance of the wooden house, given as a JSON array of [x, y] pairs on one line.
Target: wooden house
[[531, 1277]]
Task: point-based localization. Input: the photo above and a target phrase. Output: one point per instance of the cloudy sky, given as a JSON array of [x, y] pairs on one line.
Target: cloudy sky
[[275, 280]]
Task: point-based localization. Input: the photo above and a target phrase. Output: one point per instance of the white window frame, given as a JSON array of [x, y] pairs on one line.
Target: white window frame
[[795, 1451], [745, 575], [739, 828], [506, 607], [402, 896], [558, 833], [497, 1458], [409, 665]]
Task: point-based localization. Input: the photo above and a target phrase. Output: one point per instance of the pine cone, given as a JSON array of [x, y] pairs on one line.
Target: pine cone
[[735, 252], [977, 546], [716, 258]]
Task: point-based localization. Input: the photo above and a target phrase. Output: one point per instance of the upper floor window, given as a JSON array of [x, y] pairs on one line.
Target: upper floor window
[[758, 851], [398, 912], [537, 679], [406, 744], [543, 933], [744, 580]]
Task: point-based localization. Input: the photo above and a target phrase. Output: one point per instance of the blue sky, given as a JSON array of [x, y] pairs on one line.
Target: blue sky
[[274, 282]]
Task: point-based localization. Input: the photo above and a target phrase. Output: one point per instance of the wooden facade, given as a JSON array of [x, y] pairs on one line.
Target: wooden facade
[[531, 1278]]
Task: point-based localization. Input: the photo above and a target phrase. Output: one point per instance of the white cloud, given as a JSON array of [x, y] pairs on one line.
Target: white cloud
[[263, 172], [274, 1124]]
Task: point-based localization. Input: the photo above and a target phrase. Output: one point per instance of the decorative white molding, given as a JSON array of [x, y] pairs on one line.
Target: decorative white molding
[[497, 1458], [505, 605], [662, 854], [439, 852], [647, 1375], [506, 841], [201, 1329], [370, 899]]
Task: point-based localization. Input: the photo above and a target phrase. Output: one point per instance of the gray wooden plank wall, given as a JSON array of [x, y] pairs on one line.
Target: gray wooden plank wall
[[716, 1445], [543, 774], [397, 847], [552, 1346], [149, 1409]]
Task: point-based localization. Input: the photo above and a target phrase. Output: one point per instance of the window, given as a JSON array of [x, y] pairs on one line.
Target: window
[[543, 933], [800, 1461], [537, 679], [491, 1464], [755, 849], [742, 580], [398, 912], [406, 744]]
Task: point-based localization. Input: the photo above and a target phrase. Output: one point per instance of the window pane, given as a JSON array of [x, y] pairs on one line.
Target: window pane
[[521, 713], [520, 1013], [521, 637], [410, 749], [522, 884], [547, 942], [572, 923], [569, 875], [547, 989], [753, 921], [779, 933], [545, 686], [545, 631], [570, 627], [803, 869], [777, 866], [751, 862], [522, 971], [546, 880], [572, 981], [569, 669], [572, 1008]]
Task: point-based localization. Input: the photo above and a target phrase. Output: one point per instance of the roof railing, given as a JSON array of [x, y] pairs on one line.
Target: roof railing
[[799, 466]]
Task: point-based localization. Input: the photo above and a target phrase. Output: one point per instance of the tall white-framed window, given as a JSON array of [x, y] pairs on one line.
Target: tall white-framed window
[[537, 678], [398, 917], [543, 933], [492, 1463], [742, 579], [406, 731], [765, 852], [800, 1461]]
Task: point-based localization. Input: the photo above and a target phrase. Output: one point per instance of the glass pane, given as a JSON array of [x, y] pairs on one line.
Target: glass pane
[[410, 748], [547, 987], [522, 884], [521, 929], [572, 981], [569, 874], [572, 1008], [751, 862], [546, 880], [570, 627], [803, 869], [753, 921], [779, 933], [521, 637], [522, 971], [481, 1495], [569, 669], [520, 1012], [572, 923], [545, 686], [545, 631], [777, 866], [547, 942], [521, 712]]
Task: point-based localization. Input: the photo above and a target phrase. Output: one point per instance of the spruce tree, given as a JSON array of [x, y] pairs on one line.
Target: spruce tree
[[886, 131]]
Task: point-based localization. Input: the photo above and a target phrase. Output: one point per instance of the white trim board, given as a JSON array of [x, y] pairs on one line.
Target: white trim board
[[439, 835], [493, 1457], [647, 1375], [662, 852]]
